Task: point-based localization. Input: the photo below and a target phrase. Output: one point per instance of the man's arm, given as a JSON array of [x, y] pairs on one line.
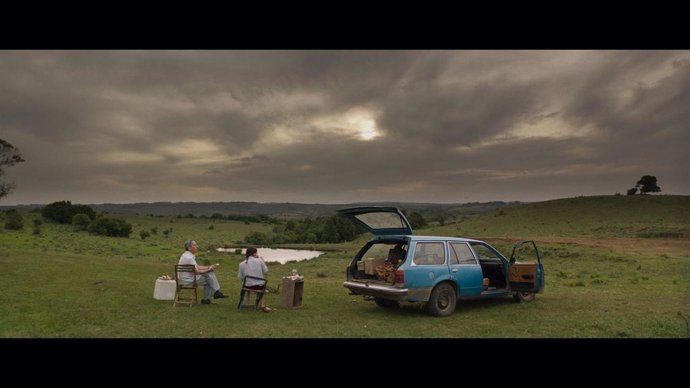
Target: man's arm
[[206, 268]]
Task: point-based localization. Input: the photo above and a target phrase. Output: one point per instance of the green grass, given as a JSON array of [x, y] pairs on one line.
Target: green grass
[[65, 284]]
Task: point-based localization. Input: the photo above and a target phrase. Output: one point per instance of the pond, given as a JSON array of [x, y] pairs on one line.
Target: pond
[[280, 255]]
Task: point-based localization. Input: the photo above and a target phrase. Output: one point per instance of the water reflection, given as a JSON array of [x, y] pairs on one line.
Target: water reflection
[[280, 255]]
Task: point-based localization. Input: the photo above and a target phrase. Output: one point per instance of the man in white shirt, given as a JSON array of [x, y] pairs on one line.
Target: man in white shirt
[[205, 274]]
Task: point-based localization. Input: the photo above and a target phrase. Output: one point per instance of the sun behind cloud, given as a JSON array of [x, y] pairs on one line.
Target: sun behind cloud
[[361, 123]]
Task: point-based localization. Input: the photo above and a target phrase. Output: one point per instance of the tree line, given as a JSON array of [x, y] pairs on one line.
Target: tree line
[[326, 229], [81, 217]]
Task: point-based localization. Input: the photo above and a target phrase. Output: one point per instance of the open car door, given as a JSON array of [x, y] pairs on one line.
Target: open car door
[[379, 220], [525, 271]]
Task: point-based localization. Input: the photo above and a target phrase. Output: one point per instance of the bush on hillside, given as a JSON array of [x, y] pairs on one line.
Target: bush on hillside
[[84, 209], [257, 238], [13, 220], [63, 212], [60, 212], [114, 227], [80, 222]]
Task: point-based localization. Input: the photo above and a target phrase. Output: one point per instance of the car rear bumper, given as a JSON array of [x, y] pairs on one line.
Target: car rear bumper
[[377, 290]]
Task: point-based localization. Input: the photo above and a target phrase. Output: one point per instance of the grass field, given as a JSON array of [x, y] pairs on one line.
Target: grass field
[[616, 267]]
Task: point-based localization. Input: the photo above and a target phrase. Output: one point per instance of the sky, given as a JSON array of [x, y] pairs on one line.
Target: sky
[[333, 127]]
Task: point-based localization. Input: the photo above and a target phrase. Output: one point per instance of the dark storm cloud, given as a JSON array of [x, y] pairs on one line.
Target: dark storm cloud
[[125, 126], [446, 116]]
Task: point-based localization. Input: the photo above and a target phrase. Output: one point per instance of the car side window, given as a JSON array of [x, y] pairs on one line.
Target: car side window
[[429, 253], [462, 253], [453, 257], [484, 253]]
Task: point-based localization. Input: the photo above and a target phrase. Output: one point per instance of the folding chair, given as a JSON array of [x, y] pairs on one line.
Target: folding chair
[[182, 286], [259, 293]]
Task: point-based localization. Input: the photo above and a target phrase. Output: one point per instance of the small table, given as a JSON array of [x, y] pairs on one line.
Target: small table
[[293, 288], [164, 290]]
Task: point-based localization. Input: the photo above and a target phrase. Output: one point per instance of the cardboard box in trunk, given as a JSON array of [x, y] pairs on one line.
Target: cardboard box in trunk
[[370, 264]]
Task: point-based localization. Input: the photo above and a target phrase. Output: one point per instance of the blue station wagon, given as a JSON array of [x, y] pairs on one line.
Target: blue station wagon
[[398, 266]]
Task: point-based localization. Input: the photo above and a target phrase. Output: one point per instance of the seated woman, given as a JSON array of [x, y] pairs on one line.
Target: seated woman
[[253, 266]]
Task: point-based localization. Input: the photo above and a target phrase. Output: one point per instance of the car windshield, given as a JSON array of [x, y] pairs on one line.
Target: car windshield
[[381, 220]]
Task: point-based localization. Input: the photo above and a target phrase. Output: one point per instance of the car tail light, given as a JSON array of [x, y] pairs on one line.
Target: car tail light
[[400, 277]]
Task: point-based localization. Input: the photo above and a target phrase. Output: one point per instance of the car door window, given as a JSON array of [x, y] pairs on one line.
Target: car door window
[[453, 257], [429, 253], [484, 253], [460, 253]]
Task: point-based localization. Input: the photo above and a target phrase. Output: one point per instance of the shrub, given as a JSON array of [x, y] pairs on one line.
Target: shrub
[[13, 220], [84, 209], [257, 238], [80, 222], [143, 234], [63, 212], [114, 227]]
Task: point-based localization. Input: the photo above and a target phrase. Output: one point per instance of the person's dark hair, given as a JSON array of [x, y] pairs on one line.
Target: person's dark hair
[[250, 251]]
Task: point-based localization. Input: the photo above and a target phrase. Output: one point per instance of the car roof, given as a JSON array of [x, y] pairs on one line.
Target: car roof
[[427, 238]]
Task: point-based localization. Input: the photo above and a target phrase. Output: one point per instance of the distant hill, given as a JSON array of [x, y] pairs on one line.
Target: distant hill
[[280, 210], [664, 216]]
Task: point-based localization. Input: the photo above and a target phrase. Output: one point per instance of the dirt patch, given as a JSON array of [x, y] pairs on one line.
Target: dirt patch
[[673, 247]]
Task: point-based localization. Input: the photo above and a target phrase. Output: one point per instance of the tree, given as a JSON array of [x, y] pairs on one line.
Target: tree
[[416, 220], [632, 191], [63, 212], [60, 212], [330, 232], [647, 184], [9, 156]]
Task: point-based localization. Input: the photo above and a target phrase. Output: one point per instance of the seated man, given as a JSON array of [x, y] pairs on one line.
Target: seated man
[[205, 275]]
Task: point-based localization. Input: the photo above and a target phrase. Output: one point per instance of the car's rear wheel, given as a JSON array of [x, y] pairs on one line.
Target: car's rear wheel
[[442, 300], [385, 303], [523, 296]]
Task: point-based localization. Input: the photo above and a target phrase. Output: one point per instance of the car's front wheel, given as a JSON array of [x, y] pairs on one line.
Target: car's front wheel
[[442, 300], [385, 303], [523, 296]]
